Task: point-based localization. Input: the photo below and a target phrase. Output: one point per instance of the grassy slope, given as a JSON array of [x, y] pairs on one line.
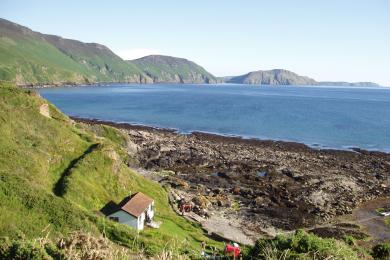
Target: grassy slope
[[98, 59], [36, 152], [32, 60], [164, 68], [28, 57]]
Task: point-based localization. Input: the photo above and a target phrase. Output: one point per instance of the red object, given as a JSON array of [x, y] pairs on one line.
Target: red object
[[232, 250], [185, 207]]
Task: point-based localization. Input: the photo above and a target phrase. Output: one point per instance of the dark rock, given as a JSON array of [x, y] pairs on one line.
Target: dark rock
[[311, 186]]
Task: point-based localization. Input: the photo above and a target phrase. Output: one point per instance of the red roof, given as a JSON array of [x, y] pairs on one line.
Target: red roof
[[135, 204]]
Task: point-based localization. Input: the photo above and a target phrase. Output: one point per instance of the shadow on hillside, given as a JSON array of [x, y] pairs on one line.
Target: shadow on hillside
[[60, 186], [109, 208]]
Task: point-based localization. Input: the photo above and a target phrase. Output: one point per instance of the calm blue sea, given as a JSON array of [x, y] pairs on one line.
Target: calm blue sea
[[330, 117]]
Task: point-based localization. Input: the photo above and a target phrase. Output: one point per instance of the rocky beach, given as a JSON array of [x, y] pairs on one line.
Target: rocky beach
[[266, 187]]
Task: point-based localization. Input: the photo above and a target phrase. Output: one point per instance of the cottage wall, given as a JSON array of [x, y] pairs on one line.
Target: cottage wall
[[141, 221], [150, 210], [126, 218]]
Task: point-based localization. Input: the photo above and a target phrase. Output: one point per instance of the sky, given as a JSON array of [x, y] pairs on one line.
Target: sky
[[332, 40]]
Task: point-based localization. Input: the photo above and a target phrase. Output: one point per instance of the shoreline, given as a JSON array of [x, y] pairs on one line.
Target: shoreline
[[75, 84], [69, 84], [261, 186], [285, 145], [97, 84]]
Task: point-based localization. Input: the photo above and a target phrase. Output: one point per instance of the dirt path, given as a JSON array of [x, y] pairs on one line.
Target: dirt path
[[218, 225], [371, 221], [230, 229]]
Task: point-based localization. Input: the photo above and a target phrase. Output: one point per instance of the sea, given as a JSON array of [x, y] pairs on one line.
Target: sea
[[321, 117]]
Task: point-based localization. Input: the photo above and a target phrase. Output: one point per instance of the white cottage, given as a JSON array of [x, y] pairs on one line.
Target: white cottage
[[134, 211]]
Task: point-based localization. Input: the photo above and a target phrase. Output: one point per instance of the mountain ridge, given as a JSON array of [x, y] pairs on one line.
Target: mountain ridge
[[33, 58], [30, 58], [168, 69]]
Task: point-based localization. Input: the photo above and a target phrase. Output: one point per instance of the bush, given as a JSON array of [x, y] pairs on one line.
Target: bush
[[299, 245], [26, 250], [54, 251], [5, 245], [350, 240], [381, 251]]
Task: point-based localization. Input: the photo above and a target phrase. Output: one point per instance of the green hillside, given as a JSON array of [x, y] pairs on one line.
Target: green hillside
[[99, 60], [285, 77], [32, 58], [28, 57], [272, 77], [166, 69], [55, 175]]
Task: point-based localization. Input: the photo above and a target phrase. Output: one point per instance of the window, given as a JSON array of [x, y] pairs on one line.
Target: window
[[116, 219]]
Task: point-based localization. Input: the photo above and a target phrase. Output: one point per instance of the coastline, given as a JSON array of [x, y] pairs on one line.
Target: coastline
[[78, 84], [263, 187], [286, 145], [70, 84]]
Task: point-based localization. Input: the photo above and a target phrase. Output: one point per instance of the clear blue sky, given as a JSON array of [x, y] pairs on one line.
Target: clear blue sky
[[327, 40]]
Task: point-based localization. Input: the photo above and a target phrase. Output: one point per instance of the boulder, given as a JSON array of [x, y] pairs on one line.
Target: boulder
[[236, 190], [201, 201]]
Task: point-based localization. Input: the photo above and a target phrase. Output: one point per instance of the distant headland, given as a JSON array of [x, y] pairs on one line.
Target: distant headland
[[33, 59]]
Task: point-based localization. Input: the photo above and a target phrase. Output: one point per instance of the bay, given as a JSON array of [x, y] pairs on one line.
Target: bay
[[326, 117]]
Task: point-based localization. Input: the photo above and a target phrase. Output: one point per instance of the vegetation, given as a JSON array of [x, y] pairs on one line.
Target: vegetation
[[382, 210], [170, 69], [272, 77], [77, 246], [350, 240], [55, 175], [28, 57], [302, 245], [387, 221], [381, 251]]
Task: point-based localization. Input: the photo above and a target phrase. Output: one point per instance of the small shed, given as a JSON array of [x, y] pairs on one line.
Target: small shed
[[134, 211]]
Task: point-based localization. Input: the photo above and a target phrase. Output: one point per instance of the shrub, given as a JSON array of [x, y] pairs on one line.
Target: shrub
[[301, 244], [26, 249], [381, 251], [350, 240], [5, 245]]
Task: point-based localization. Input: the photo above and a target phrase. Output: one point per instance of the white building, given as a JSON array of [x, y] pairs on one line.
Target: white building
[[134, 211]]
